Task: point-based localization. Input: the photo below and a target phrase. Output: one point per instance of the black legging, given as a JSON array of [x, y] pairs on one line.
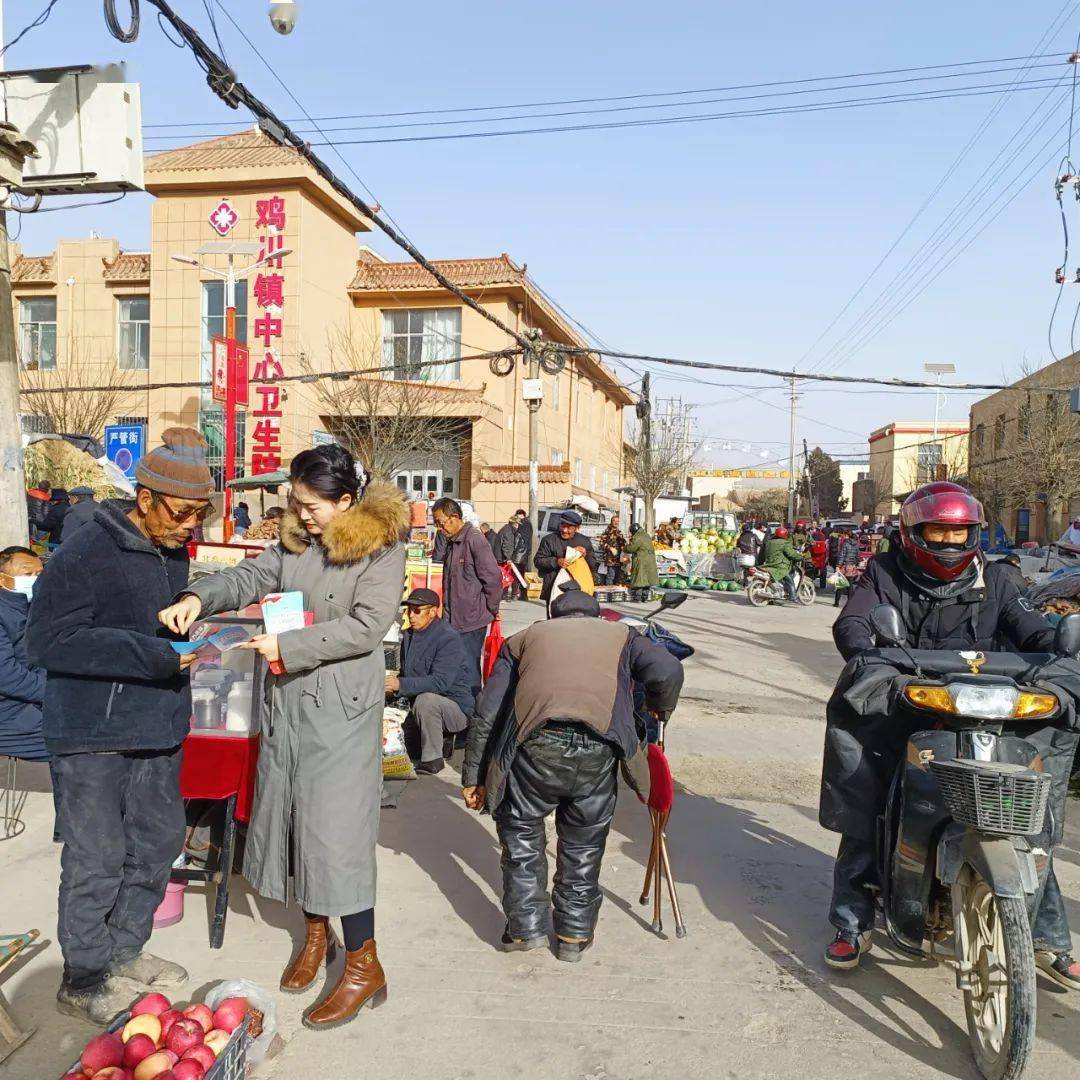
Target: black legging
[[356, 928]]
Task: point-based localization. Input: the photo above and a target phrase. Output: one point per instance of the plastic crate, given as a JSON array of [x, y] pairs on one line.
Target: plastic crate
[[229, 1066]]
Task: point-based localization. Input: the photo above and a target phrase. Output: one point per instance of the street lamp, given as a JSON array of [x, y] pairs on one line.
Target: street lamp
[[938, 370], [230, 249]]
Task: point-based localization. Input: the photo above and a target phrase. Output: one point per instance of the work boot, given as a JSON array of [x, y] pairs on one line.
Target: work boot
[[570, 949], [1060, 967], [102, 1003], [513, 944], [320, 946], [847, 950], [363, 982], [150, 970]]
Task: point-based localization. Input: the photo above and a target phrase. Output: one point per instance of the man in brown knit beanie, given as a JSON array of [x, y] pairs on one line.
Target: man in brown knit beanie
[[117, 707]]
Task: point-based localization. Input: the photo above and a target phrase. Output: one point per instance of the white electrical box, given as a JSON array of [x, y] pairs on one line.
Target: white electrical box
[[86, 124], [532, 389]]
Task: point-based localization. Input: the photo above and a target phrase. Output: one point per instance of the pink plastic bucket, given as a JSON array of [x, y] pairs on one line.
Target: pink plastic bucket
[[171, 909]]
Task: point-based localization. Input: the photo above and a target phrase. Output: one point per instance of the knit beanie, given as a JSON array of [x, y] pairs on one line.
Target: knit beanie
[[177, 467]]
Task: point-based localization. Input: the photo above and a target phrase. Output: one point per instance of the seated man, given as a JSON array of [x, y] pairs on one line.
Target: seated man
[[435, 676], [780, 558], [22, 686]]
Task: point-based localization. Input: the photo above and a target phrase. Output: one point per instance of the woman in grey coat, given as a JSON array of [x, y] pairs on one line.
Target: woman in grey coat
[[320, 759]]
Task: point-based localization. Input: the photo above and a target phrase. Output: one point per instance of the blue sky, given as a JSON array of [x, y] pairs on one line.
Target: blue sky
[[735, 241]]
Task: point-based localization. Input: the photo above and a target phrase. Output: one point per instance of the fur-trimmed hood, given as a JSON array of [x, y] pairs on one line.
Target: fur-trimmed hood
[[378, 520]]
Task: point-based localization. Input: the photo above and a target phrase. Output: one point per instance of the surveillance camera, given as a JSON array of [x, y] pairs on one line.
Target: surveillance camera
[[283, 15]]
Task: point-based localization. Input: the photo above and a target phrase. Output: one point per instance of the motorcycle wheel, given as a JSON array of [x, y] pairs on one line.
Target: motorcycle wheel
[[806, 593], [757, 592], [994, 939]]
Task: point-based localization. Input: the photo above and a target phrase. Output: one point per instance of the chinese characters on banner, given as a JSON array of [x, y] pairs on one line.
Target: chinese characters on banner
[[269, 328]]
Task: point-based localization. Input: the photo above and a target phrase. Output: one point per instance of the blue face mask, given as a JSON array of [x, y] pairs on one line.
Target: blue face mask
[[24, 583]]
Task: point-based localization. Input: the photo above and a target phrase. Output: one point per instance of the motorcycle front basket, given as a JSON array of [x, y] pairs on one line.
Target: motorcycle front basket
[[994, 796]]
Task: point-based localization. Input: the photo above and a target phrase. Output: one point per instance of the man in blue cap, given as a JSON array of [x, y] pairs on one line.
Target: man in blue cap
[[551, 554]]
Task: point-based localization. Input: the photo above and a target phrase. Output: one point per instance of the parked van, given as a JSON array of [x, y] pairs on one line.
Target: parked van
[[592, 524]]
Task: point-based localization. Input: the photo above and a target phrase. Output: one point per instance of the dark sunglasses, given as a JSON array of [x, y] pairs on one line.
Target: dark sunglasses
[[199, 513]]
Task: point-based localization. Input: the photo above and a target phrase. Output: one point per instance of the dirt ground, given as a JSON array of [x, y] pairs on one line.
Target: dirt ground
[[745, 994]]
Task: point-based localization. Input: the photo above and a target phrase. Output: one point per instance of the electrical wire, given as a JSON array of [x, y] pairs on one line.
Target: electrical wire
[[40, 20], [128, 35], [68, 206]]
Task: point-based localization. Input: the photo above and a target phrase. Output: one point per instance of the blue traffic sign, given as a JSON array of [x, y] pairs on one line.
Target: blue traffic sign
[[125, 445]]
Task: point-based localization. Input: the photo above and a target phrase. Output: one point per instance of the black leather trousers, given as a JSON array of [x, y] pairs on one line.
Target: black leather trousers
[[568, 770]]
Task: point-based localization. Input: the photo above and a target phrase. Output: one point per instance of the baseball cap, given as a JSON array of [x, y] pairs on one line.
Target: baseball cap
[[422, 598]]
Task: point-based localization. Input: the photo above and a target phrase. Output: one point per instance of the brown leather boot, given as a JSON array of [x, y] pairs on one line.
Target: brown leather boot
[[320, 946], [363, 982]]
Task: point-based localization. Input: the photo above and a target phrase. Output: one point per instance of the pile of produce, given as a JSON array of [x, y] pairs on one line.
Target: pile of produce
[[707, 541], [699, 583], [160, 1042], [65, 466]]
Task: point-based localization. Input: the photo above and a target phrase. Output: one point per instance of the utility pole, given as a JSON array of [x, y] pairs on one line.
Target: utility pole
[[534, 401], [644, 411], [791, 457], [14, 528], [810, 508]]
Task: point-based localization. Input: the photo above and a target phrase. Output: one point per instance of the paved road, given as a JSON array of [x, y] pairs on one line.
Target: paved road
[[745, 995]]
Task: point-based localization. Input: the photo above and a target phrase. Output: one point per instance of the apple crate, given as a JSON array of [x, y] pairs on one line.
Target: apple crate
[[229, 1066]]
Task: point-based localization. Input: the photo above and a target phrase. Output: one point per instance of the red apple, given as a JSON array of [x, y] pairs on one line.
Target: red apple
[[172, 1055], [183, 1035], [201, 1013], [101, 1052], [112, 1073], [230, 1013], [188, 1069], [217, 1040], [154, 1004], [74, 1076], [152, 1067], [147, 1024], [168, 1018], [168, 1074], [136, 1048], [203, 1055]]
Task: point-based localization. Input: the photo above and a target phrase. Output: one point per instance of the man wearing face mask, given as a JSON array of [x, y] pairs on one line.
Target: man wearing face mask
[[117, 707], [22, 686]]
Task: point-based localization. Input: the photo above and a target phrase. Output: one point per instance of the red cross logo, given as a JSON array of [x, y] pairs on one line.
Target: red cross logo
[[223, 218]]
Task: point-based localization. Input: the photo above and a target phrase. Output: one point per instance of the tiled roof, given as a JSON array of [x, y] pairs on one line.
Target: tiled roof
[[244, 149], [375, 276], [29, 268], [127, 266], [519, 474]]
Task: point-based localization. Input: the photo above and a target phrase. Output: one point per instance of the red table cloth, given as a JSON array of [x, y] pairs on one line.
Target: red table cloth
[[217, 766]]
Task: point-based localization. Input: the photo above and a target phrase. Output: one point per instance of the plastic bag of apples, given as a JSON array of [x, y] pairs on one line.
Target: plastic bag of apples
[[157, 1041]]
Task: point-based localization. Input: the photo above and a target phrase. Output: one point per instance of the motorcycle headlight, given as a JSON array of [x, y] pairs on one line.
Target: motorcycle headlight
[[1031, 706], [936, 698], [986, 702]]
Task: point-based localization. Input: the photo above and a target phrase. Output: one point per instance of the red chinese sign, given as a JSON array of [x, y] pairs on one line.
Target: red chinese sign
[[223, 218], [219, 368], [268, 331]]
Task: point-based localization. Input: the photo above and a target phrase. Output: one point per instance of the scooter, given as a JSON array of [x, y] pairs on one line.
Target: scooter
[[966, 828], [761, 589]]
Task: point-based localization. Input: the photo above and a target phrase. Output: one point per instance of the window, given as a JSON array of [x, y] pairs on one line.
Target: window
[[980, 437], [37, 333], [423, 344], [592, 478], [213, 323], [557, 457], [130, 420], [212, 426], [555, 381], [999, 433], [133, 333], [35, 425], [578, 471], [929, 459]]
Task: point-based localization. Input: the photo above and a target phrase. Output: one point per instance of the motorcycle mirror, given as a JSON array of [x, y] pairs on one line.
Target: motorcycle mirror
[[673, 599], [887, 624], [1067, 636]]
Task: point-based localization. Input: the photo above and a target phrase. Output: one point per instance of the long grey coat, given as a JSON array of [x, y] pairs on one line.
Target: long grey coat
[[320, 759]]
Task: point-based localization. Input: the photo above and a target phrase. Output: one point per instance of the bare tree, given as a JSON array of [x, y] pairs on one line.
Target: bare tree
[[658, 464], [78, 398], [765, 504], [869, 492], [386, 422]]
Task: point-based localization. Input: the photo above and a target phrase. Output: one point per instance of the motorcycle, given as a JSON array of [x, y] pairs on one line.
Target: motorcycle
[[761, 589], [966, 828]]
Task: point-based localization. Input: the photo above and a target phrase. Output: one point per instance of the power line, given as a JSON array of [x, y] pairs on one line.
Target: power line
[[443, 111], [40, 20]]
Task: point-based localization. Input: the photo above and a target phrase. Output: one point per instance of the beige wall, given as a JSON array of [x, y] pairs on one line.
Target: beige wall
[[894, 456]]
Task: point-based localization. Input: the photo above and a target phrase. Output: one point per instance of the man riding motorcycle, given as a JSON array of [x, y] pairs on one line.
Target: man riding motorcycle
[[780, 558], [949, 598]]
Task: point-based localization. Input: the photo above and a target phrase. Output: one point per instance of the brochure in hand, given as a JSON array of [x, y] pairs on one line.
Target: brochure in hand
[[222, 637], [282, 612]]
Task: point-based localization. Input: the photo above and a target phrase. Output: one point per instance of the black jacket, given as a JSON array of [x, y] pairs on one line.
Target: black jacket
[[553, 548], [433, 662], [114, 681], [22, 686], [512, 545], [573, 669], [990, 616]]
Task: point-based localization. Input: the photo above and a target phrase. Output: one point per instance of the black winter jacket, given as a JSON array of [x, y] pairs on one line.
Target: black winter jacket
[[22, 687], [433, 662], [990, 616], [114, 681], [553, 548]]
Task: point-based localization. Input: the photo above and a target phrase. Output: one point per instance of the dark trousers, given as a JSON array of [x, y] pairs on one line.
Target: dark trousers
[[473, 643], [121, 821], [571, 772], [436, 717], [852, 905]]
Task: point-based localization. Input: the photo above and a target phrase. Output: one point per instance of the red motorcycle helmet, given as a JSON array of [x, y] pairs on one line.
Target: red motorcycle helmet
[[801, 525], [781, 533], [940, 503]]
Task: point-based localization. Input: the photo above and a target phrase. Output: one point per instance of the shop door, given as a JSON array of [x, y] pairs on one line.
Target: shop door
[[1023, 526]]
